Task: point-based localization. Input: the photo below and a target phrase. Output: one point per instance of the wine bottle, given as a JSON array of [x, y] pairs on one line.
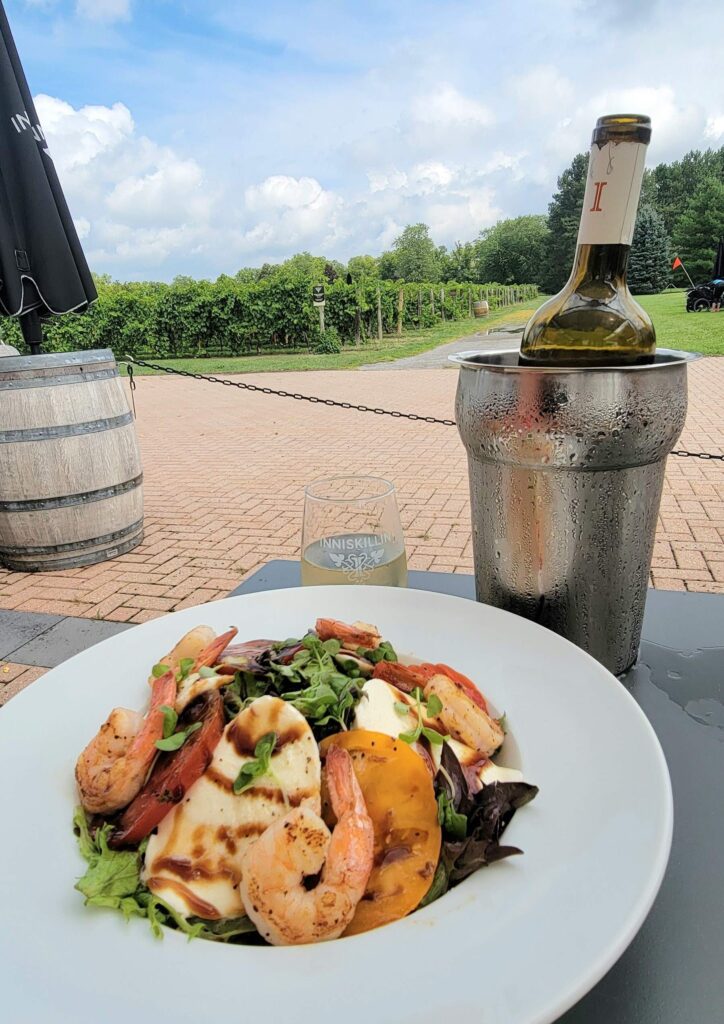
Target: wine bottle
[[594, 320]]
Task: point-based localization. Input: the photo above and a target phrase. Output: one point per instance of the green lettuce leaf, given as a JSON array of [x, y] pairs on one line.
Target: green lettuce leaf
[[113, 879]]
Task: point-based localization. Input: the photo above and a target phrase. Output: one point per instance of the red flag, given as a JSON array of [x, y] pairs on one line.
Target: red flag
[[677, 263]]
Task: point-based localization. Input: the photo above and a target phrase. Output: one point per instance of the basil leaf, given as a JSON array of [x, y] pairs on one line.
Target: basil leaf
[[207, 673], [170, 718], [178, 739], [433, 737], [184, 667], [410, 737], [434, 705], [383, 652], [452, 822], [160, 670], [402, 709], [264, 748], [256, 769]]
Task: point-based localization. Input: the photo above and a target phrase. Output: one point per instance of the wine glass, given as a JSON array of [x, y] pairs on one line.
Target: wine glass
[[352, 533]]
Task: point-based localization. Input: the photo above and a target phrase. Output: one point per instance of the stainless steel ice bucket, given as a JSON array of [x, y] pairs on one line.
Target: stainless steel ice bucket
[[566, 470]]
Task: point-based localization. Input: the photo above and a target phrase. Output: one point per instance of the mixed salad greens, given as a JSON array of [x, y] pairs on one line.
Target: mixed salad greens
[[261, 718]]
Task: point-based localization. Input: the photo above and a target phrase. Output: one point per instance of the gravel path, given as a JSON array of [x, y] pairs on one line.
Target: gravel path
[[437, 358]]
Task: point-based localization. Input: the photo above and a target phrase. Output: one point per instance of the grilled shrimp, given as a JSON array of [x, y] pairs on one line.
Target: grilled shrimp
[[113, 767], [359, 634], [189, 646], [297, 847], [463, 718], [194, 684]]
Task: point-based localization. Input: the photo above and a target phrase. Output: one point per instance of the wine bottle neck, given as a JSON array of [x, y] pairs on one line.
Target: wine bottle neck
[[600, 263]]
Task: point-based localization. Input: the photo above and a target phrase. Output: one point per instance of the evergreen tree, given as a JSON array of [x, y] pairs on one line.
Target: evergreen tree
[[649, 263], [564, 214], [699, 229], [676, 183]]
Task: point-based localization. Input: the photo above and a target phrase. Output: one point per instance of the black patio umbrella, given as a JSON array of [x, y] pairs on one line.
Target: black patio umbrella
[[719, 261], [42, 266]]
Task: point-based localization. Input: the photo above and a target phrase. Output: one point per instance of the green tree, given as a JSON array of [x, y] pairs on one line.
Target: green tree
[[700, 227], [676, 183], [564, 214], [649, 263], [247, 275], [363, 266], [459, 263], [513, 251], [304, 265], [334, 269], [416, 258], [387, 266]]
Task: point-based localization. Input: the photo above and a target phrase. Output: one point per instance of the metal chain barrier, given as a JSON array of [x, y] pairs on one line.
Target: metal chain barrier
[[325, 401], [292, 394]]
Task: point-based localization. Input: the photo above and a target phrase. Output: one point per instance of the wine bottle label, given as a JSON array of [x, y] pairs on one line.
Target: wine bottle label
[[613, 186]]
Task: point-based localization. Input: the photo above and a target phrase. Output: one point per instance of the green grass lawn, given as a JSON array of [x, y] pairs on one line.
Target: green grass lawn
[[391, 347], [675, 328]]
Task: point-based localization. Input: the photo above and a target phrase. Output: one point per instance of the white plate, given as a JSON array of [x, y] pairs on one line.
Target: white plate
[[517, 943]]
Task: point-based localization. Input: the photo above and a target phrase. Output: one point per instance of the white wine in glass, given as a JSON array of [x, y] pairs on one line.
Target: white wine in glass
[[352, 533]]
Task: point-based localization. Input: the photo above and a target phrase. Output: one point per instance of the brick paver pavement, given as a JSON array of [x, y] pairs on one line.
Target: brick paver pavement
[[13, 678], [224, 472]]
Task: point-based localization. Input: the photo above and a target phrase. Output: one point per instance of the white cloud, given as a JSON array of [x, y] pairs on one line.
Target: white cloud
[[211, 162], [381, 180], [543, 90], [172, 191], [280, 191], [461, 216], [714, 128], [447, 106], [296, 212], [77, 137], [104, 10], [134, 201]]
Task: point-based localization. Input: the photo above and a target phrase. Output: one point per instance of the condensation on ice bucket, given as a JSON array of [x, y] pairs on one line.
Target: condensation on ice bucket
[[566, 470]]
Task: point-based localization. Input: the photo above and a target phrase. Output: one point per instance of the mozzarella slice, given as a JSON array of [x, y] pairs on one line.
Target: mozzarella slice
[[376, 711], [193, 862]]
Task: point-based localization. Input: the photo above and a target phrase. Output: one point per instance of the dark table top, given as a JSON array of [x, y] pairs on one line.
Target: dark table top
[[673, 971]]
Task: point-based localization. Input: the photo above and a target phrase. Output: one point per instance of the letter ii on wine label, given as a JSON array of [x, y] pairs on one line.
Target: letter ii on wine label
[[600, 186]]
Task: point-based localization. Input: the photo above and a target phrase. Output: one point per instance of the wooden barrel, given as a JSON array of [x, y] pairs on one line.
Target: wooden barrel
[[70, 467], [480, 308]]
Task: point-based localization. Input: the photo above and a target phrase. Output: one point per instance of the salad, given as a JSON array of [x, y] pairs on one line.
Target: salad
[[292, 791]]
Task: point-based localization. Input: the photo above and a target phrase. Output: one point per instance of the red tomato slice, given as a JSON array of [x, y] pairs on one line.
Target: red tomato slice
[[407, 677], [174, 772]]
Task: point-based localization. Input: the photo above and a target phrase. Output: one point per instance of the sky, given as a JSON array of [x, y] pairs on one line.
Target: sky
[[202, 136]]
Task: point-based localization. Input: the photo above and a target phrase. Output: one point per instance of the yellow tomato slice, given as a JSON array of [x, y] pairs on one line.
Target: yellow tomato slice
[[400, 799]]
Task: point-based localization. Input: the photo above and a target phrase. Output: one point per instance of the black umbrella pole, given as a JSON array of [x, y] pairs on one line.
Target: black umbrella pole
[[32, 330]]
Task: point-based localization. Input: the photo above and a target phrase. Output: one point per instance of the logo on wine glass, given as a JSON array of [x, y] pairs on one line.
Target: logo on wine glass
[[358, 566]]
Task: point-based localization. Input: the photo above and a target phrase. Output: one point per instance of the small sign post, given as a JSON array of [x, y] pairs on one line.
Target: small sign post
[[318, 300]]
